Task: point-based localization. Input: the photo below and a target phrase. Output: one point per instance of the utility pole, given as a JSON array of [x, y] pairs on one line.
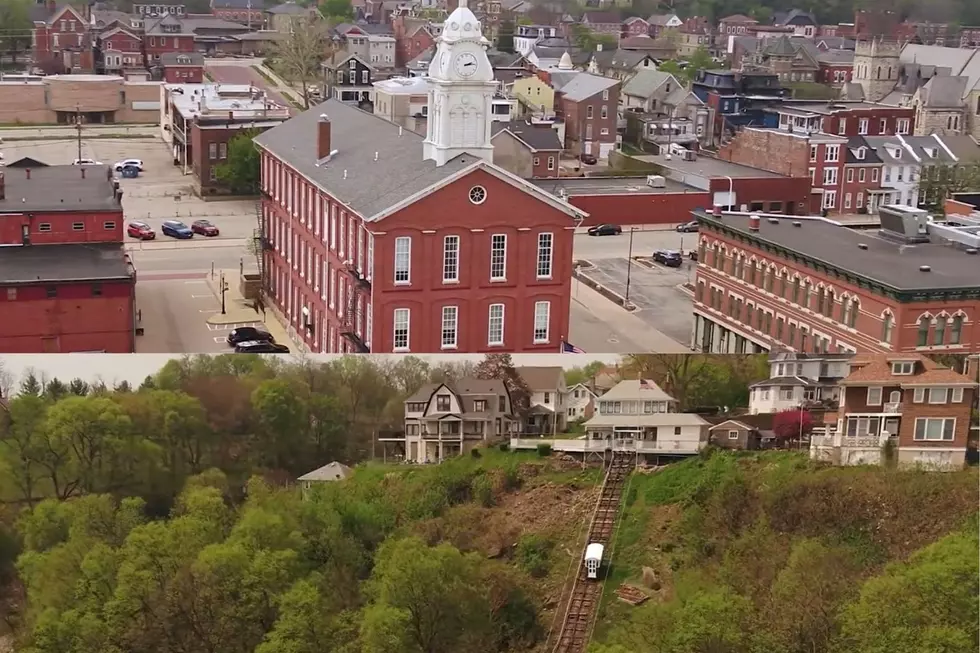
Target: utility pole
[[224, 289], [629, 265], [78, 129]]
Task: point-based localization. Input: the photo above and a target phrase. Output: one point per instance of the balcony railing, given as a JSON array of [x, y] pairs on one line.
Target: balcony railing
[[893, 407], [864, 441], [585, 445]]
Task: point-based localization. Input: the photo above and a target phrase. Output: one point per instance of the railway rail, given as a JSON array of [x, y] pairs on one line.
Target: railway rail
[[583, 602]]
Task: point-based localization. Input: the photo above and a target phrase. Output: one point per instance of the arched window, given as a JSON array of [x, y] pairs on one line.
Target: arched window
[[895, 396], [956, 330], [702, 250], [807, 294], [781, 286], [887, 326], [939, 334], [769, 278], [855, 309], [923, 338], [796, 290]]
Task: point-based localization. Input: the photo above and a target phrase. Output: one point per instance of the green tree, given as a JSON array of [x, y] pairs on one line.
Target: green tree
[[426, 600], [939, 182], [31, 385], [501, 366], [15, 26], [55, 389], [585, 374], [283, 421], [926, 604], [336, 11], [240, 171], [298, 55], [21, 444]]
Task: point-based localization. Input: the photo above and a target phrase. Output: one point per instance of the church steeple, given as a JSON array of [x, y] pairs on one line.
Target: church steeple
[[461, 91]]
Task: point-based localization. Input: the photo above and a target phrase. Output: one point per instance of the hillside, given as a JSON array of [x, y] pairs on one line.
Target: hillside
[[753, 553]]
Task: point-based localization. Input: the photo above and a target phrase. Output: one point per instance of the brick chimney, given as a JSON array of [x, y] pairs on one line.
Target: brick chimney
[[323, 137]]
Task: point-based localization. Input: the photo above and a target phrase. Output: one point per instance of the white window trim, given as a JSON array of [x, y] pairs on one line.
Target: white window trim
[[450, 315], [915, 432], [547, 329], [503, 314], [881, 394], [551, 256], [503, 275], [408, 268], [446, 259], [408, 330], [918, 395], [944, 395], [957, 396]]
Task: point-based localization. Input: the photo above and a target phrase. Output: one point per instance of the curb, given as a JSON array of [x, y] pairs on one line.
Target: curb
[[611, 295]]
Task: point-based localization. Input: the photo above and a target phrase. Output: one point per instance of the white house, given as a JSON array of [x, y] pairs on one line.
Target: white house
[[579, 402], [797, 380], [527, 36], [329, 473], [548, 391]]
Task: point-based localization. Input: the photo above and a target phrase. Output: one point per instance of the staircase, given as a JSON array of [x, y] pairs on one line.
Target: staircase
[[261, 243], [359, 284], [583, 602]]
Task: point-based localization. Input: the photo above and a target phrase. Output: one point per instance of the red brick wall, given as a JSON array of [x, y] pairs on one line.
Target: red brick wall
[[770, 150], [891, 115], [184, 74], [645, 208], [541, 170], [790, 191], [576, 119], [157, 45], [240, 16], [74, 321], [60, 228], [856, 187], [122, 42]]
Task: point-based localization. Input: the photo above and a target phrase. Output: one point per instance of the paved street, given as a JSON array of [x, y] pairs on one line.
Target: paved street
[[592, 248], [654, 292]]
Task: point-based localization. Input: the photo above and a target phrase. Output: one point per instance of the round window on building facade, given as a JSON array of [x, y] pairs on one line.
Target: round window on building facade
[[478, 194]]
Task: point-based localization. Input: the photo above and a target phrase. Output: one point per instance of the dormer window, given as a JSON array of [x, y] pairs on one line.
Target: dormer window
[[442, 403], [898, 154], [903, 368], [931, 152], [859, 153], [352, 65]]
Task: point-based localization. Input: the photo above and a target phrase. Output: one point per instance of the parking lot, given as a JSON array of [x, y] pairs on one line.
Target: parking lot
[[655, 292]]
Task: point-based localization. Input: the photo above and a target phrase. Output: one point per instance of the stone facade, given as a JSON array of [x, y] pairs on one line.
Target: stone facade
[[876, 68]]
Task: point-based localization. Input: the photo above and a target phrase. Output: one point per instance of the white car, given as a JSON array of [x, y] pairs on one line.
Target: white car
[[86, 162], [136, 163]]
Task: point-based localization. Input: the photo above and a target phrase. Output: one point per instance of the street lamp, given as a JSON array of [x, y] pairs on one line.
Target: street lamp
[[224, 289], [629, 265]]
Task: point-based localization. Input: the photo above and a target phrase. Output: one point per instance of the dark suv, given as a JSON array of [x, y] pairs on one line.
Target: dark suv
[[668, 257], [260, 347], [247, 333]]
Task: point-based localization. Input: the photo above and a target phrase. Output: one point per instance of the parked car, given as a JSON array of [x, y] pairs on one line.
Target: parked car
[[176, 229], [140, 230], [589, 159], [86, 162], [669, 257], [260, 347], [204, 227], [134, 163], [688, 227], [605, 230], [249, 334]]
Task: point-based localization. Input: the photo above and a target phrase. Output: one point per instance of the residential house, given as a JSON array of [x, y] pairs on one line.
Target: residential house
[[580, 403], [648, 90], [329, 473], [529, 151], [403, 101], [799, 380], [535, 95], [736, 434], [635, 26], [732, 26], [906, 402], [182, 68], [527, 36], [118, 49], [588, 103], [285, 17], [60, 40], [166, 34], [603, 22], [547, 412], [803, 22], [660, 48], [247, 12], [620, 64], [445, 420], [789, 60], [659, 23], [548, 53], [637, 414], [835, 67], [349, 78], [690, 40], [413, 36], [862, 178]]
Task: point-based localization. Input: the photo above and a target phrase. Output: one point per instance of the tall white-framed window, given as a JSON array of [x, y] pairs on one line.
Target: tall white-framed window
[[832, 152], [542, 322], [935, 428], [333, 227], [450, 259], [495, 325], [546, 242], [450, 327], [498, 257], [403, 260], [402, 323]]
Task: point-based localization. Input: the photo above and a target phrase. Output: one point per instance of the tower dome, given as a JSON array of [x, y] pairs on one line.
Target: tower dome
[[462, 25], [565, 63]]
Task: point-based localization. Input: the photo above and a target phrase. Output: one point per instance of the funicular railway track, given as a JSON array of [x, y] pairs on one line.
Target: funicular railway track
[[584, 599]]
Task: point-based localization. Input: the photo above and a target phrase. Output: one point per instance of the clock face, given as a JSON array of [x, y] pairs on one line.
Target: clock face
[[465, 64]]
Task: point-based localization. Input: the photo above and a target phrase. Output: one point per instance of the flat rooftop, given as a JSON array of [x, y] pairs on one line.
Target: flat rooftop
[[242, 101], [58, 188], [41, 264], [610, 186], [885, 261], [823, 108], [706, 166]]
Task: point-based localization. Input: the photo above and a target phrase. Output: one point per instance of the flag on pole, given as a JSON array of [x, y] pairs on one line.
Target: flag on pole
[[569, 348]]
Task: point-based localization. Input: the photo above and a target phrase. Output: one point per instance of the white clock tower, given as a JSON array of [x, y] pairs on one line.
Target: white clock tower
[[461, 88]]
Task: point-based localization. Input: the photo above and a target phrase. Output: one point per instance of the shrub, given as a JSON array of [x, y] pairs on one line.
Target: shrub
[[475, 453], [504, 446], [544, 450], [533, 553], [482, 488]]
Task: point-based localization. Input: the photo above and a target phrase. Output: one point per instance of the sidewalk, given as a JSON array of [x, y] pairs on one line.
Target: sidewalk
[[238, 311], [281, 85]]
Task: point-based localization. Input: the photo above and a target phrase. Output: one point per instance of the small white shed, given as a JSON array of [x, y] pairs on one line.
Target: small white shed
[[593, 559]]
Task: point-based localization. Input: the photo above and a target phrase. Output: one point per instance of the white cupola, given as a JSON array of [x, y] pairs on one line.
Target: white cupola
[[565, 63]]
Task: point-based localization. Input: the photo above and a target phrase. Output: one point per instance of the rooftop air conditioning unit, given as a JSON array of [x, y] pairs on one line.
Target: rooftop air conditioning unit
[[689, 155], [656, 181]]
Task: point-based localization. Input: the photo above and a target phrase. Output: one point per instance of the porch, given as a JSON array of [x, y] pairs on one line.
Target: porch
[[541, 420]]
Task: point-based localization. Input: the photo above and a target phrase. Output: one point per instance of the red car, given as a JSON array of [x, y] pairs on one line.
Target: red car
[[204, 227], [140, 230]]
